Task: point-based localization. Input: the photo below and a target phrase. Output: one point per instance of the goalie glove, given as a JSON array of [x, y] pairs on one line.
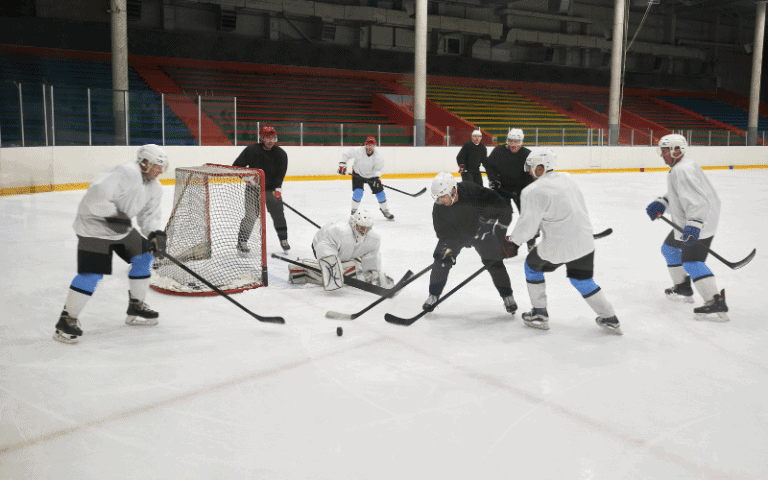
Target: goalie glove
[[157, 241], [342, 168]]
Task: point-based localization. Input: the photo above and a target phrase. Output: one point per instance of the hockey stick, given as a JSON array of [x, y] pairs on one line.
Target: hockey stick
[[392, 292], [217, 290], [732, 265], [602, 234], [392, 188], [409, 321], [351, 281], [301, 215]]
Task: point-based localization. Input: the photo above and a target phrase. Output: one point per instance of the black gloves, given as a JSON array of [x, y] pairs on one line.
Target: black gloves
[[157, 240], [375, 183]]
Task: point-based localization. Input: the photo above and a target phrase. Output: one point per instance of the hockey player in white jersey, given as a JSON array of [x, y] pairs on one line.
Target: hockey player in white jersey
[[345, 247], [103, 225], [554, 204], [367, 167], [692, 201]]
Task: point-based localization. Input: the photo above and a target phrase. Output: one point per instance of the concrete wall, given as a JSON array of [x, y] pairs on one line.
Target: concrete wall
[[24, 170]]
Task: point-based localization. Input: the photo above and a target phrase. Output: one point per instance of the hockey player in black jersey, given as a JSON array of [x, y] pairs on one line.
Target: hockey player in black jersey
[[273, 160], [468, 215]]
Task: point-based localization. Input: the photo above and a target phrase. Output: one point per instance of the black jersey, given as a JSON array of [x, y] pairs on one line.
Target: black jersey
[[274, 163], [458, 223], [508, 168], [472, 156]]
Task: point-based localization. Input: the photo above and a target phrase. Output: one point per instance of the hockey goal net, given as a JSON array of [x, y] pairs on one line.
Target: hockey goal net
[[209, 206]]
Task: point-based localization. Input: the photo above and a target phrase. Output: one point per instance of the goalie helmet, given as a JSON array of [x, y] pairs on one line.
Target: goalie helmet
[[673, 141], [361, 223], [153, 155], [540, 156], [516, 134], [442, 184]]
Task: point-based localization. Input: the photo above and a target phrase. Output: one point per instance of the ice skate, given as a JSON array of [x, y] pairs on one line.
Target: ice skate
[[682, 292], [510, 305], [537, 318], [242, 247], [284, 245], [67, 329], [714, 310], [429, 304], [139, 313], [611, 324], [387, 214]]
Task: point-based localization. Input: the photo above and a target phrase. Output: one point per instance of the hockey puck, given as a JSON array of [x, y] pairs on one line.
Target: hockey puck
[[339, 331]]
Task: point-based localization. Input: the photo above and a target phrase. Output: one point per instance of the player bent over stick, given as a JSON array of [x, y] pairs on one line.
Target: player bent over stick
[[103, 225], [344, 247], [693, 202], [554, 204], [466, 214]]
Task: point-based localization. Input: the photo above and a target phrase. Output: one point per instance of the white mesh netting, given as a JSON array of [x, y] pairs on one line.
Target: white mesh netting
[[213, 208]]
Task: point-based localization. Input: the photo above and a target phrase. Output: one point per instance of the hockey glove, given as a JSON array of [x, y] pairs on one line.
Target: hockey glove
[[655, 209], [462, 168], [494, 185], [375, 183], [157, 241], [690, 234], [342, 169], [509, 248], [278, 193], [446, 257], [119, 224]]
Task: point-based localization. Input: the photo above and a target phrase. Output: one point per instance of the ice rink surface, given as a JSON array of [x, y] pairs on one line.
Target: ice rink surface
[[465, 392]]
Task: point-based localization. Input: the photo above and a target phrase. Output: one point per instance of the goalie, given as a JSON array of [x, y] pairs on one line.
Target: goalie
[[345, 247]]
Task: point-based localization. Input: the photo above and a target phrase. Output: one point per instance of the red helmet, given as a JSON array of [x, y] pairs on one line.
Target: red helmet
[[267, 131], [370, 141]]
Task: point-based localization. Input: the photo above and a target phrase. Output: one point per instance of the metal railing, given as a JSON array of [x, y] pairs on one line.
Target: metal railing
[[48, 115]]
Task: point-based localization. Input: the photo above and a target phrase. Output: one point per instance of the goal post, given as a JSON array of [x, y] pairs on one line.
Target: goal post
[[211, 205]]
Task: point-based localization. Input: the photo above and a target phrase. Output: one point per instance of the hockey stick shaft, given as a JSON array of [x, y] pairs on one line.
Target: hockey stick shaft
[[392, 292], [351, 281], [393, 188], [301, 215], [732, 265], [409, 321], [217, 290]]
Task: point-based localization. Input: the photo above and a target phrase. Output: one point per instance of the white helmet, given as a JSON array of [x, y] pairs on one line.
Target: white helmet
[[477, 132], [673, 141], [516, 134], [361, 223], [442, 184], [540, 156], [154, 155]]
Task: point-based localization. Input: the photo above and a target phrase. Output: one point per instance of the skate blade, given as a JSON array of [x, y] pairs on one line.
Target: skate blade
[[541, 325], [134, 320], [713, 317], [64, 338], [680, 298], [614, 330]]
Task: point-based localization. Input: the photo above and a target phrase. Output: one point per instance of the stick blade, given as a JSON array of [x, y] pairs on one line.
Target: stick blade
[[740, 264], [402, 321], [278, 320], [420, 192], [602, 234], [339, 316]]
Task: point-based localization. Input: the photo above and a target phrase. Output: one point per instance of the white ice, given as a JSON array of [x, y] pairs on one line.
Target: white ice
[[465, 392]]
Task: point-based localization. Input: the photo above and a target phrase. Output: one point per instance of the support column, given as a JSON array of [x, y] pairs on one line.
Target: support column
[[617, 66], [757, 66], [119, 68], [420, 75]]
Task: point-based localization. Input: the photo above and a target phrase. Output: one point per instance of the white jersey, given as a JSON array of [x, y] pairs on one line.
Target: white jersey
[[365, 165], [119, 189], [554, 205], [692, 198], [337, 239]]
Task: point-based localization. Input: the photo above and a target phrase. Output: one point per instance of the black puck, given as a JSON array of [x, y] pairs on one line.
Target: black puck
[[339, 331]]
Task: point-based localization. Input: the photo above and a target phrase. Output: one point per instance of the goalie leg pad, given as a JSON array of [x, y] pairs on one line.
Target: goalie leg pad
[[333, 279], [299, 275]]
